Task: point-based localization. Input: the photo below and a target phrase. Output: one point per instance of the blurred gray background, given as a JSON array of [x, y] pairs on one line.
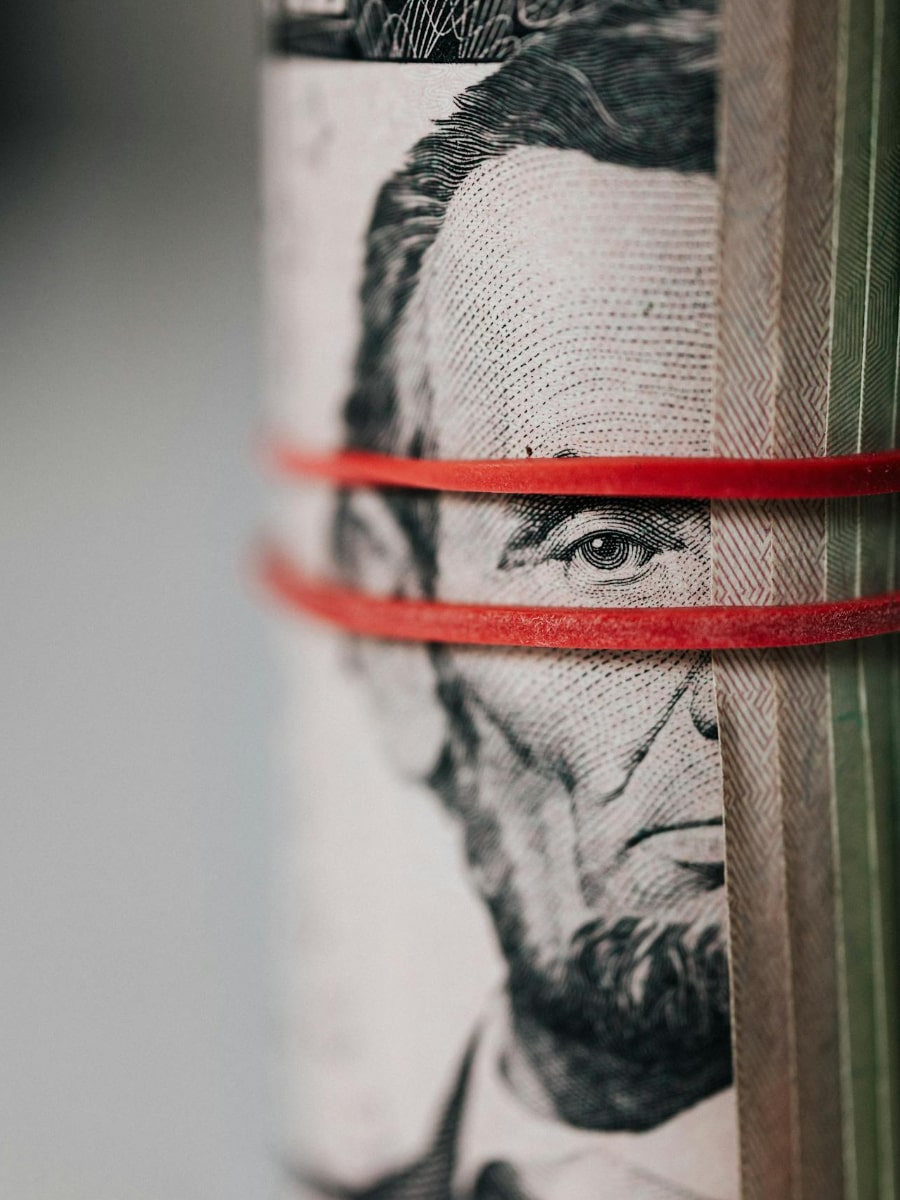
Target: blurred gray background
[[134, 696]]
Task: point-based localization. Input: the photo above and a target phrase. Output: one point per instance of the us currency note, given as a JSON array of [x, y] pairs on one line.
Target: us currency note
[[808, 336], [863, 543], [512, 962]]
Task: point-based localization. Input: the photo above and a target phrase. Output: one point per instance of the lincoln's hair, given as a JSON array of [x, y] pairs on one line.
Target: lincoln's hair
[[631, 82]]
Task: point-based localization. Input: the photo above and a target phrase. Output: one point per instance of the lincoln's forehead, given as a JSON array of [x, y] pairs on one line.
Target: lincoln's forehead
[[569, 305], [543, 199]]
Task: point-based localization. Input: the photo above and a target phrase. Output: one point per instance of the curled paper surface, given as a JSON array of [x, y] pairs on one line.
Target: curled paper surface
[[568, 923]]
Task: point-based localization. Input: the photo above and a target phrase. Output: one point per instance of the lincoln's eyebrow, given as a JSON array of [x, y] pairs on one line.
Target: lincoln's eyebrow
[[540, 515]]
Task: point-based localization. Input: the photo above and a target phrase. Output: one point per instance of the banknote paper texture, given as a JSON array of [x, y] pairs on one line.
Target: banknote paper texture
[[565, 228]]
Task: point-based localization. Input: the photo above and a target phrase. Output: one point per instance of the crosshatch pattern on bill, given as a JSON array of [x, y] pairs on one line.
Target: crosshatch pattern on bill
[[537, 270]]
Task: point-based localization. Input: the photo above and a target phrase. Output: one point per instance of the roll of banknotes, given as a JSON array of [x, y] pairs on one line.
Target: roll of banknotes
[[558, 923]]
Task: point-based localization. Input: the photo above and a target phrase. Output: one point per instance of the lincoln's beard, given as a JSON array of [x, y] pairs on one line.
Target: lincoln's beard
[[630, 1025], [626, 1025], [641, 990]]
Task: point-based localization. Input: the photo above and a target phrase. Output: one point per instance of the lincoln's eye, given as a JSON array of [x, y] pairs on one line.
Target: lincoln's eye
[[595, 549], [612, 552]]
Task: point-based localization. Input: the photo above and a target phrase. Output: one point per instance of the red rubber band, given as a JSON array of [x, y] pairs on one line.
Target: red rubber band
[[674, 478], [731, 627]]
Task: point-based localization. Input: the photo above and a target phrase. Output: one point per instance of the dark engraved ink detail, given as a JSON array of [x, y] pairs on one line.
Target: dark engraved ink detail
[[439, 31], [586, 786]]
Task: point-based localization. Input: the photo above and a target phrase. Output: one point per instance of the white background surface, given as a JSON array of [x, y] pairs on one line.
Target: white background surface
[[135, 706]]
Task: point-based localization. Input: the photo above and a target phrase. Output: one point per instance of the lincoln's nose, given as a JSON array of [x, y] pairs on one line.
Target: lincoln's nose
[[703, 702]]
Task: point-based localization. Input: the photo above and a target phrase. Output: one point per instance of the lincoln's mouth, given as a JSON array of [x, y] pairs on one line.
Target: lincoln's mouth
[[709, 875], [675, 827], [701, 854]]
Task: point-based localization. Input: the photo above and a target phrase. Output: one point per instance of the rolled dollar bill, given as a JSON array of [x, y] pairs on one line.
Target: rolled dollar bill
[[568, 923]]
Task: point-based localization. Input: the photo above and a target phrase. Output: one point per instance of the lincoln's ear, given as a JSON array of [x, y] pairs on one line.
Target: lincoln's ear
[[377, 554]]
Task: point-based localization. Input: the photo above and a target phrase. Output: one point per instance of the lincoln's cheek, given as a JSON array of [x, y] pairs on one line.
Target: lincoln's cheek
[[658, 836]]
